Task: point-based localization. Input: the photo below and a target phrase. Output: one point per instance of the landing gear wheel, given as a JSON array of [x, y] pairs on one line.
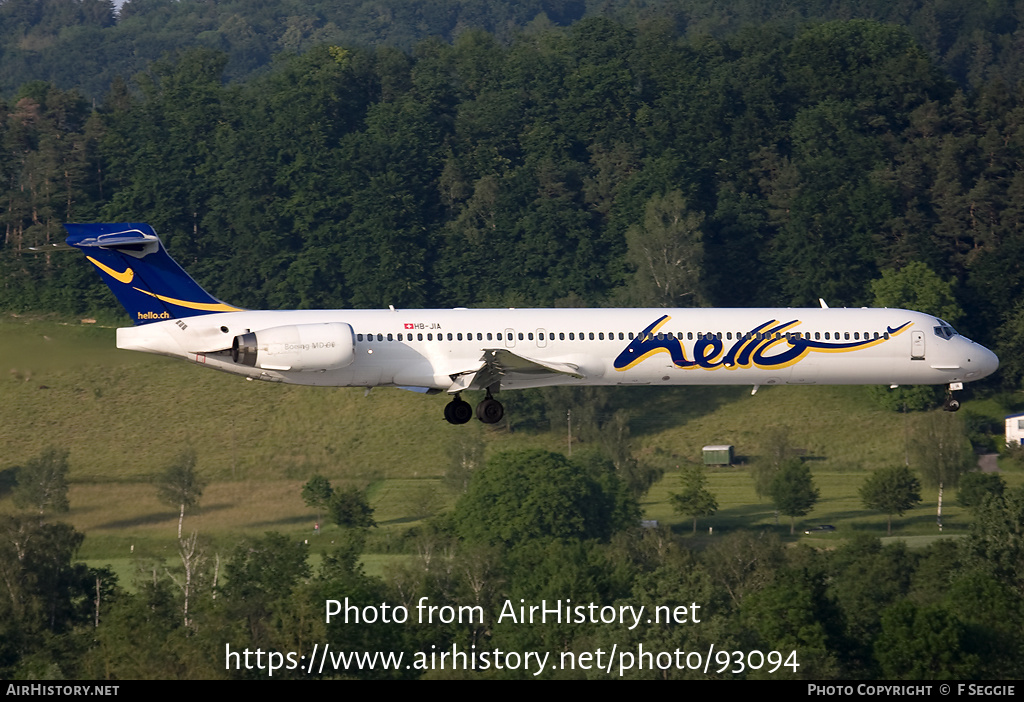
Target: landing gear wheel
[[952, 405], [458, 411], [490, 411]]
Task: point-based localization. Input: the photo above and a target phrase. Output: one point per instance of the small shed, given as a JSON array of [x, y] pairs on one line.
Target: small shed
[[718, 455], [1015, 429]]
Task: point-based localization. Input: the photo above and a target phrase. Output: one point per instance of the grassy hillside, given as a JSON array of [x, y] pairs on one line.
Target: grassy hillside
[[124, 416]]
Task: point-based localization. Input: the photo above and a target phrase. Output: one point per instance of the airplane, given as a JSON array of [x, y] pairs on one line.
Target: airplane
[[455, 350]]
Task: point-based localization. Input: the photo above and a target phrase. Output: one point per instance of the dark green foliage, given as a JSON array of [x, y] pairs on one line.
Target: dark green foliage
[[907, 398], [524, 495], [792, 490], [892, 491], [44, 596], [993, 615], [917, 287], [317, 493], [922, 643], [794, 612], [260, 574], [775, 164], [866, 578], [695, 500], [350, 508], [996, 541], [976, 486]]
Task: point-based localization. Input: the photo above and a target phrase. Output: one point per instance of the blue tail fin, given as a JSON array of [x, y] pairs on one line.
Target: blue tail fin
[[135, 265]]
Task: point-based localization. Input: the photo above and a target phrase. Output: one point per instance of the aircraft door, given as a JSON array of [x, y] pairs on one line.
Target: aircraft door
[[510, 338], [917, 345], [542, 338]]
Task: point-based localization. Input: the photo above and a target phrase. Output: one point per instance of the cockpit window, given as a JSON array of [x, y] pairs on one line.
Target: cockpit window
[[944, 331]]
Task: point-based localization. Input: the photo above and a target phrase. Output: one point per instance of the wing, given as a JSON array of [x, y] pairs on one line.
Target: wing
[[498, 364]]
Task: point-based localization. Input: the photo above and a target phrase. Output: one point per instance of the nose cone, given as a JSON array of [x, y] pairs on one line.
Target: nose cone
[[983, 362]]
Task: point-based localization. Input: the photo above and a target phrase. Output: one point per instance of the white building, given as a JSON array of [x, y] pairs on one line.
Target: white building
[[1015, 429]]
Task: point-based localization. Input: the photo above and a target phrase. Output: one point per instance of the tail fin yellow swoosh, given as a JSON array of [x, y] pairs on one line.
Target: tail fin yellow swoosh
[[125, 277]]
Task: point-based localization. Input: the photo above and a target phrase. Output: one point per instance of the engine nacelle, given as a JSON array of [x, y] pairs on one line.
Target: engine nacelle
[[298, 347]]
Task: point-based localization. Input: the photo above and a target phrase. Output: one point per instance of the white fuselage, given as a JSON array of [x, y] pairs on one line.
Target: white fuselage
[[434, 349]]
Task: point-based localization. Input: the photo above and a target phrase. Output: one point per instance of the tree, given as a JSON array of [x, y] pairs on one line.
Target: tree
[[940, 451], [668, 253], [524, 495], [917, 287], [777, 450], [891, 490], [996, 541], [976, 486], [180, 486], [793, 490], [695, 500], [350, 508], [923, 643], [261, 575], [317, 494], [42, 483]]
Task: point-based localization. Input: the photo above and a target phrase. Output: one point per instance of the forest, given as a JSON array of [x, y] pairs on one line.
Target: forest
[[365, 154], [550, 169], [533, 530]]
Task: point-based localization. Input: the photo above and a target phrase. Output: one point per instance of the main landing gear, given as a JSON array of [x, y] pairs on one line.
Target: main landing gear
[[458, 411], [952, 404]]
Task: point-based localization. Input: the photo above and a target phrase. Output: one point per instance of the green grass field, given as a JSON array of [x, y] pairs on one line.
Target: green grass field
[[124, 416]]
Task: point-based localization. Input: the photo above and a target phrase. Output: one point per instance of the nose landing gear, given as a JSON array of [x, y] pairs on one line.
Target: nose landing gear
[[952, 404]]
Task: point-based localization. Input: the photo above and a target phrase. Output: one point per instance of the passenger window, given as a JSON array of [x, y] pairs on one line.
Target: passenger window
[[359, 337], [489, 336]]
